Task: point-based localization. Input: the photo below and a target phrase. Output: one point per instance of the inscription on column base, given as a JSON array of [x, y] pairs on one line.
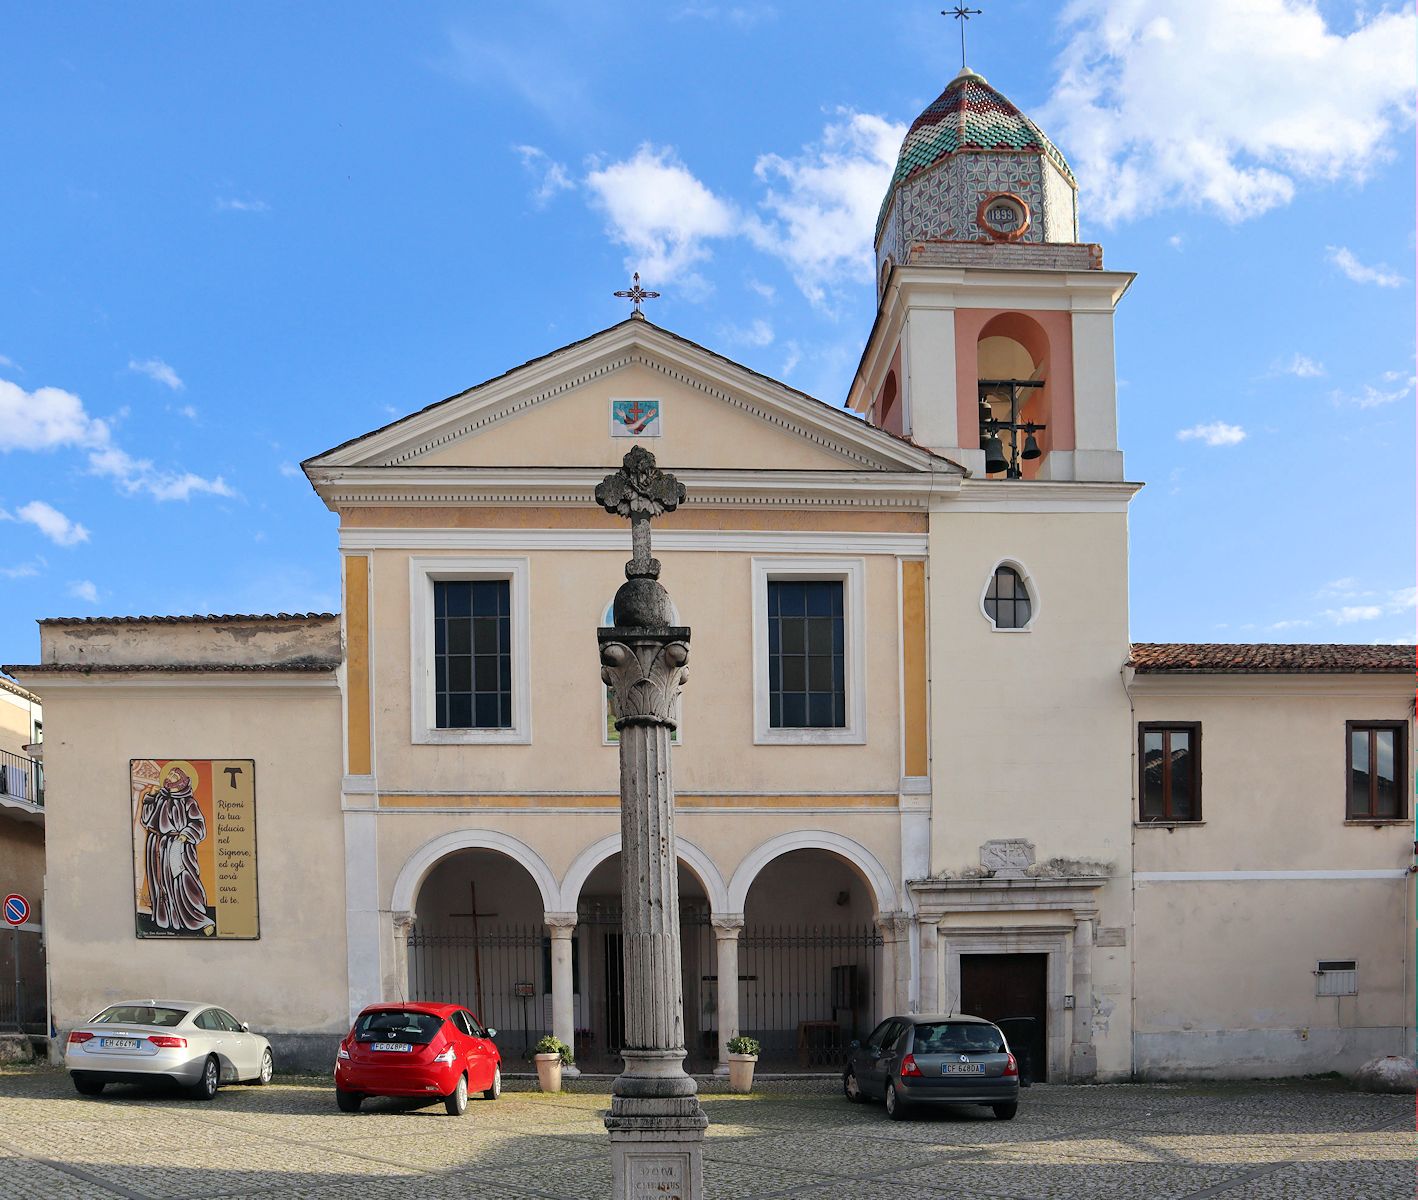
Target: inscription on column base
[[657, 1150]]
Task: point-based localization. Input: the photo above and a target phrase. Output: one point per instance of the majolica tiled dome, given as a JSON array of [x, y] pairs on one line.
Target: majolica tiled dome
[[969, 146]]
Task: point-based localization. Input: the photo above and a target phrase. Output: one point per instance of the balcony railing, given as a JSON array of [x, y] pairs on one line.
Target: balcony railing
[[21, 778]]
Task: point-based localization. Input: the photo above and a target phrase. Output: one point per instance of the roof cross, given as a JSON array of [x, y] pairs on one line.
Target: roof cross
[[635, 293], [962, 14]]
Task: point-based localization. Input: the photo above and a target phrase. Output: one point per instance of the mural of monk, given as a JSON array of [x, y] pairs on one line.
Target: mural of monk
[[174, 826]]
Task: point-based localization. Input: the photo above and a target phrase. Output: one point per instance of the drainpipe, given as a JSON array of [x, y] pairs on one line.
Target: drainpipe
[[1128, 674]]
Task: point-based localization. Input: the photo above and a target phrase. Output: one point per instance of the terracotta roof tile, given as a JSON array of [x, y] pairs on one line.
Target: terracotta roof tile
[[196, 619], [1333, 658]]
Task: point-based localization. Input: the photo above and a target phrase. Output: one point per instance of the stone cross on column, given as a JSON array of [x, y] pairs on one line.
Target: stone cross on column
[[656, 1125]]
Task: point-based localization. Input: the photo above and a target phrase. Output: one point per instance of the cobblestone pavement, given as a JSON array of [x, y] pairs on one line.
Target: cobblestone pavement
[[789, 1139]]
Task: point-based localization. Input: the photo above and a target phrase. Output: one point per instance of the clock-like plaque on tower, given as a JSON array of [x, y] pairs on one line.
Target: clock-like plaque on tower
[[635, 418], [1004, 216]]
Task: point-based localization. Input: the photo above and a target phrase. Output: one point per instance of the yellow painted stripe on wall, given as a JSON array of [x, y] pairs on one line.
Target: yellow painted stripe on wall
[[913, 665], [682, 801], [493, 517], [357, 663]]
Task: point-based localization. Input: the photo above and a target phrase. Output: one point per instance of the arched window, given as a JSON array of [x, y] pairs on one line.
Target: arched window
[[1007, 601]]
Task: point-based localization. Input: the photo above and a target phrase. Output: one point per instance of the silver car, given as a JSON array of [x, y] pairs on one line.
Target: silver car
[[194, 1044]]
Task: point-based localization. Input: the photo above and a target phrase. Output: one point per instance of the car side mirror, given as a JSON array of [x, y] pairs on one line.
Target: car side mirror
[[854, 1045], [492, 1033], [245, 1027]]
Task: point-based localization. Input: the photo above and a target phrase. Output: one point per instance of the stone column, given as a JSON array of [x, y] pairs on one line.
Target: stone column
[[562, 928], [403, 926], [930, 966], [727, 927], [895, 963], [655, 1123], [1083, 1056]]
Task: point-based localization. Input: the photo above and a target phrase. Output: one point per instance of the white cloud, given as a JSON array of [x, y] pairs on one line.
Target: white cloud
[[1280, 626], [25, 570], [1175, 241], [1301, 366], [822, 203], [1217, 433], [1370, 396], [766, 290], [84, 589], [1226, 105], [53, 419], [290, 470], [794, 356], [1343, 258], [6, 361], [58, 528], [741, 16], [551, 176], [1351, 613], [758, 333], [236, 204], [158, 371], [660, 212]]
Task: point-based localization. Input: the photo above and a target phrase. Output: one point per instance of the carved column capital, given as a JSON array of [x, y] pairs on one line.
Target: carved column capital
[[560, 924], [645, 675], [403, 923], [727, 925], [894, 926]]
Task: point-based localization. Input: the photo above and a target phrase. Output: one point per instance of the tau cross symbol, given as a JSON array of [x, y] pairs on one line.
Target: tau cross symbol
[[635, 293], [962, 14]]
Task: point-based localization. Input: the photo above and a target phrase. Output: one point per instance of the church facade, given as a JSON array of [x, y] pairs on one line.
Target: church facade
[[919, 764]]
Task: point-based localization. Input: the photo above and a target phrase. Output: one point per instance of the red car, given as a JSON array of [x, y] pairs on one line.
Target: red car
[[417, 1050]]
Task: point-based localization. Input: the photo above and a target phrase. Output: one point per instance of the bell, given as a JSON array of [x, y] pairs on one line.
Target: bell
[[1031, 448], [995, 461], [985, 414]]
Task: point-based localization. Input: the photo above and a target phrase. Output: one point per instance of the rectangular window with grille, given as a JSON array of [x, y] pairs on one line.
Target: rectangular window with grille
[[472, 653], [1169, 767], [1377, 770], [807, 686], [1336, 977]]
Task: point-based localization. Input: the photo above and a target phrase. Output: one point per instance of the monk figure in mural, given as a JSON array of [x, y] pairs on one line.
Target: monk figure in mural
[[175, 825]]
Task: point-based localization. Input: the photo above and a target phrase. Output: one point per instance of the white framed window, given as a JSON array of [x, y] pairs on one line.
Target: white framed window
[[1009, 601], [470, 650], [610, 736], [809, 651], [1336, 977]]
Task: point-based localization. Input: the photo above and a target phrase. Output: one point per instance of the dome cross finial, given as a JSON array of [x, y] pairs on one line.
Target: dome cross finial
[[962, 14]]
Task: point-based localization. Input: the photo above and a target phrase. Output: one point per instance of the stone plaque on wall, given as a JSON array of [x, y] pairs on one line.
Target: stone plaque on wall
[[1007, 858], [1112, 935]]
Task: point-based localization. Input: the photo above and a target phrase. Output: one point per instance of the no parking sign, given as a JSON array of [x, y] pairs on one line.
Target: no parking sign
[[17, 909]]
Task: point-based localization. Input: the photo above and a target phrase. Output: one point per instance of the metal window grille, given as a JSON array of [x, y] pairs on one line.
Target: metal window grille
[[1007, 600], [1336, 977], [807, 684], [472, 653]]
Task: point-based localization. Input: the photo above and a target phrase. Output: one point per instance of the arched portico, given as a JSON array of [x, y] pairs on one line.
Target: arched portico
[[423, 860], [877, 877], [597, 852]]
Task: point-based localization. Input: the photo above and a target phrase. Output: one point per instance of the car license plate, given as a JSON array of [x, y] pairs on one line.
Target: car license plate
[[404, 1046], [964, 1068], [119, 1043]]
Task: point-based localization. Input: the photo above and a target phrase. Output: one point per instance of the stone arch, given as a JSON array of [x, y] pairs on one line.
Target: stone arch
[[878, 878], [597, 852], [427, 856]]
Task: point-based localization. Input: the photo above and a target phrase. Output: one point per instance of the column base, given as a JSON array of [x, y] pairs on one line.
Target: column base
[[657, 1147], [722, 1069], [570, 1071]]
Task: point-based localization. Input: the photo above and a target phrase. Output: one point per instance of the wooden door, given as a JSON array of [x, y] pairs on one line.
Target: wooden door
[[1000, 987]]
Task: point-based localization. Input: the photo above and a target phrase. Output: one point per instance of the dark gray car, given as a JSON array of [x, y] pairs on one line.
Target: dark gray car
[[934, 1059]]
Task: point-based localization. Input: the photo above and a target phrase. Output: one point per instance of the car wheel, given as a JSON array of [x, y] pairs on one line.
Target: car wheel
[[495, 1090], [86, 1086], [206, 1087], [1005, 1112], [456, 1102], [268, 1068], [851, 1088], [896, 1107], [348, 1101]]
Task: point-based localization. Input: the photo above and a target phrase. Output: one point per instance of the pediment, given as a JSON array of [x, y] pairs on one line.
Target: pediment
[[556, 412]]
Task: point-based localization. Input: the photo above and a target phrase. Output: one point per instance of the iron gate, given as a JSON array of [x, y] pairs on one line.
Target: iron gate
[[808, 991], [22, 997], [503, 975]]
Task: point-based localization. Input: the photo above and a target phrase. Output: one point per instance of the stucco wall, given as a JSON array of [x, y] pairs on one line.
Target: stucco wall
[[292, 979], [1225, 966]]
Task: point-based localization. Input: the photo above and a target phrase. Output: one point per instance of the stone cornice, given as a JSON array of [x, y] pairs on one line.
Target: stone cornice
[[936, 898]]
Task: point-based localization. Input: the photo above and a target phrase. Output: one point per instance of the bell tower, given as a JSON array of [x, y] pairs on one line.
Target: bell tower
[[993, 343]]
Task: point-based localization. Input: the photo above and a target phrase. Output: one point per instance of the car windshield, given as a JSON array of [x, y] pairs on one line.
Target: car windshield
[[140, 1014], [957, 1037], [397, 1025]]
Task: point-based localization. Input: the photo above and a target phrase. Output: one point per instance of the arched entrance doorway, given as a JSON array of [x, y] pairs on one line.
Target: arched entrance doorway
[[809, 959], [601, 981], [478, 939]]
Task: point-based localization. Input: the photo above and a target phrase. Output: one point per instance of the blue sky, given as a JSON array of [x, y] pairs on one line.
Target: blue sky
[[236, 235]]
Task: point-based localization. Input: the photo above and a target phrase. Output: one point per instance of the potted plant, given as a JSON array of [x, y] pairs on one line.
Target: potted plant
[[743, 1053], [552, 1054]]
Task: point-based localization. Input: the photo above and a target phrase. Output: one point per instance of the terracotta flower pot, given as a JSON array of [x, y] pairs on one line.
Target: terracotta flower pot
[[548, 1072], [741, 1072]]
